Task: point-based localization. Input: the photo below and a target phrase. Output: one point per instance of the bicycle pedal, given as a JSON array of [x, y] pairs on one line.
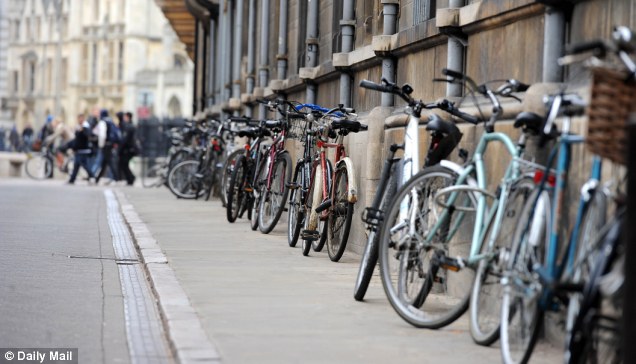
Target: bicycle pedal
[[323, 206], [248, 189], [310, 235], [451, 264], [292, 186], [439, 280]]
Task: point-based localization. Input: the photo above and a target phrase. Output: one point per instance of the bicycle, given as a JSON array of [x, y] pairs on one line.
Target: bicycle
[[157, 175], [240, 189], [332, 193], [445, 136], [40, 165], [425, 225], [536, 279]]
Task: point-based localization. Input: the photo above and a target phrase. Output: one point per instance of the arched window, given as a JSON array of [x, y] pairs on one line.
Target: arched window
[[179, 62], [174, 108]]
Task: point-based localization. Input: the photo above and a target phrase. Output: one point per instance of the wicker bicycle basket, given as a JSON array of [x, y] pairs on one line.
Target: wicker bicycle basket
[[612, 101], [296, 128]]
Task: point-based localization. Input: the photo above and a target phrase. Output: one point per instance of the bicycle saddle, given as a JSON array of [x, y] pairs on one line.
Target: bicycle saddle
[[352, 126], [254, 133], [436, 123], [529, 122]]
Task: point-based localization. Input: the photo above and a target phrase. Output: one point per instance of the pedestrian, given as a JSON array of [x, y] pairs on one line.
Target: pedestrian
[[3, 137], [27, 138], [57, 140], [108, 136], [82, 148], [128, 147], [14, 139]]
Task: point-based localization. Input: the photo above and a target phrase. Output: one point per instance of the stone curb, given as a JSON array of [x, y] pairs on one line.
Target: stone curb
[[184, 330]]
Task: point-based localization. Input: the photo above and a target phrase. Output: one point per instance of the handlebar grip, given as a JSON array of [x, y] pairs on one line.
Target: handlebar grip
[[240, 119], [521, 87], [364, 127], [586, 46], [454, 74], [373, 86], [466, 117]]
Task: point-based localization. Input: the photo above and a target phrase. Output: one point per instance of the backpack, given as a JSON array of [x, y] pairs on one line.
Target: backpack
[[113, 134]]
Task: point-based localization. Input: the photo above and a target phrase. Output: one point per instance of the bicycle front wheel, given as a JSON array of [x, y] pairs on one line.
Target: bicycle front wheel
[[485, 300], [340, 215], [273, 199], [182, 180], [295, 214], [521, 315], [417, 235], [226, 175], [39, 167], [257, 193]]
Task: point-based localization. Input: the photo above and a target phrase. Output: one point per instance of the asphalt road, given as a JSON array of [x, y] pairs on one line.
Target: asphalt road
[[48, 299]]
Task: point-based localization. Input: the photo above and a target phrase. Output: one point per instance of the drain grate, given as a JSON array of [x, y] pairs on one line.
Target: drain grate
[[146, 339]]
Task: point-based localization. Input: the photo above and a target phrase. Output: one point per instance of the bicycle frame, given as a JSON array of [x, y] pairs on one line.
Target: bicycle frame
[[277, 146]]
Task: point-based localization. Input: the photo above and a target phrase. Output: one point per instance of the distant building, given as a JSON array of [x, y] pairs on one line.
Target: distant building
[[5, 115], [114, 54]]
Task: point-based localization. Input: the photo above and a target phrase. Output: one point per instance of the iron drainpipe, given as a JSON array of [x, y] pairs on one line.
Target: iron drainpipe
[[196, 68], [228, 42], [211, 62], [238, 45], [251, 45], [312, 46], [455, 57], [553, 44], [282, 41], [221, 53], [390, 11], [263, 69], [347, 32], [204, 70]]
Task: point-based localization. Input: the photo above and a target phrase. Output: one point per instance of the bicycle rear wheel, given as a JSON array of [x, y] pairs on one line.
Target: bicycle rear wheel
[[323, 225], [273, 199], [226, 174], [182, 180], [259, 182], [485, 300], [521, 315], [39, 167], [421, 289], [340, 215], [295, 215], [236, 190]]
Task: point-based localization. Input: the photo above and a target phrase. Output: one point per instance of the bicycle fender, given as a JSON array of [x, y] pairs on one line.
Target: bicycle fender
[[352, 192], [452, 166], [316, 199]]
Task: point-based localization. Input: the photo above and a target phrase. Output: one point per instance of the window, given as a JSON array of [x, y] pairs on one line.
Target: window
[[174, 107], [96, 10], [29, 32], [49, 76], [85, 62], [336, 39], [63, 75], [17, 30], [179, 62], [16, 81], [110, 74], [94, 57], [423, 10], [31, 67], [302, 33], [120, 62], [37, 29]]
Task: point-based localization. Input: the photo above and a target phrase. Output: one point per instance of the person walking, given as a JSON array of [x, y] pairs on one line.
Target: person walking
[[27, 138], [128, 147], [14, 139], [82, 148], [108, 136]]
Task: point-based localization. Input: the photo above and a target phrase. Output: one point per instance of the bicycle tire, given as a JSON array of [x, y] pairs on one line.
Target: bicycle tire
[[182, 180], [257, 193], [279, 188], [340, 216], [319, 244], [236, 191], [295, 213], [370, 256], [321, 227], [528, 250], [226, 174], [38, 167], [152, 176], [487, 290], [428, 302], [210, 176]]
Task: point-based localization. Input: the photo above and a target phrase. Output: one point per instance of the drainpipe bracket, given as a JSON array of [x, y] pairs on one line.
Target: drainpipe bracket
[[308, 73], [350, 23], [341, 61], [396, 2], [448, 17], [277, 85], [282, 57], [455, 33], [384, 44], [312, 41]]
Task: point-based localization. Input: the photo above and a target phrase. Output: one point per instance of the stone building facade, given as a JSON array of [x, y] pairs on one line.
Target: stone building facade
[[319, 50], [65, 57]]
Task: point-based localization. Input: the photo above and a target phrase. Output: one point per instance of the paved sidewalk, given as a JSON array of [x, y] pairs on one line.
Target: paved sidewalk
[[263, 302]]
